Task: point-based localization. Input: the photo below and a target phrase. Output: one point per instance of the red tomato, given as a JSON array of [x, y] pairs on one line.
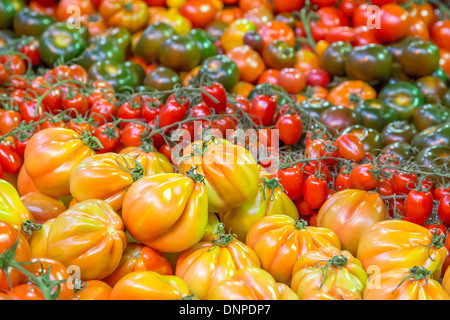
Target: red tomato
[[10, 160], [215, 91], [102, 111], [362, 177], [292, 180], [290, 128], [315, 191], [350, 147], [264, 109], [444, 209], [440, 34], [343, 181], [199, 12], [132, 134], [318, 77], [402, 182], [418, 206], [171, 113], [394, 23], [109, 136]]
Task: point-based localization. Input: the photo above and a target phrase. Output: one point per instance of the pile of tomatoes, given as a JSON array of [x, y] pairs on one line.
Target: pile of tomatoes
[[224, 149]]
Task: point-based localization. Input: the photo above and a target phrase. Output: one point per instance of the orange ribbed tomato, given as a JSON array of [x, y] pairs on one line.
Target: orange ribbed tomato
[[394, 244], [128, 14], [269, 200], [42, 207], [349, 213], [115, 173], [230, 171], [52, 154], [167, 212], [24, 183], [415, 283], [94, 290], [252, 283], [325, 268], [88, 235], [207, 263], [349, 92], [280, 241], [139, 257], [12, 210], [149, 285]]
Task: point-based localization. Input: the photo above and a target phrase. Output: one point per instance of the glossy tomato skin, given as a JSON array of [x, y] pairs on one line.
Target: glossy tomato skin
[[429, 251], [94, 290], [418, 206], [292, 180], [302, 239], [394, 22], [189, 218], [103, 224], [264, 109], [337, 212], [290, 128]]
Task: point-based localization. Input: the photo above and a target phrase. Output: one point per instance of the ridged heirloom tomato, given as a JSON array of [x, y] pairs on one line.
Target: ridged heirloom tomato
[[51, 155], [252, 284], [325, 268], [153, 161], [269, 200], [149, 285], [230, 171], [115, 173], [139, 257], [208, 263], [94, 290], [280, 241], [167, 212], [393, 244], [12, 209], [415, 283], [89, 235], [349, 213]]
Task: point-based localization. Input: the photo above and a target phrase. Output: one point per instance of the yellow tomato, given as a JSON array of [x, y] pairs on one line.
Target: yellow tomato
[[233, 36]]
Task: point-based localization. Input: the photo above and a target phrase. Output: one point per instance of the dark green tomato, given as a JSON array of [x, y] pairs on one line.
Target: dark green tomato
[[433, 136], [398, 131], [8, 10], [432, 87], [162, 79], [151, 40], [60, 42], [99, 51], [375, 114], [397, 74], [420, 59], [400, 150], [31, 23], [403, 97], [121, 37], [315, 106], [339, 118], [221, 69], [430, 115], [206, 46], [215, 29], [440, 73], [137, 71], [371, 63], [180, 53], [115, 73], [334, 56], [396, 48], [279, 55], [446, 99], [434, 156], [371, 139], [268, 89]]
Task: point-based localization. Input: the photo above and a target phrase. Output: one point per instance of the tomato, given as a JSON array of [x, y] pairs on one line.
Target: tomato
[[263, 108], [335, 293], [149, 285], [440, 34], [109, 136], [350, 147], [38, 241], [288, 6], [206, 264], [130, 15], [53, 177], [42, 207], [170, 113], [252, 283], [102, 111], [363, 178], [292, 180], [138, 257], [249, 62], [98, 170], [10, 159], [26, 291], [9, 119], [384, 241], [325, 268], [301, 239], [133, 134], [10, 236], [402, 182], [349, 92], [444, 209], [215, 97], [349, 213], [418, 206], [270, 200], [392, 285], [199, 12], [93, 290], [394, 23], [290, 128], [343, 181], [189, 218], [292, 80], [315, 191], [223, 165], [73, 231], [276, 31]]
